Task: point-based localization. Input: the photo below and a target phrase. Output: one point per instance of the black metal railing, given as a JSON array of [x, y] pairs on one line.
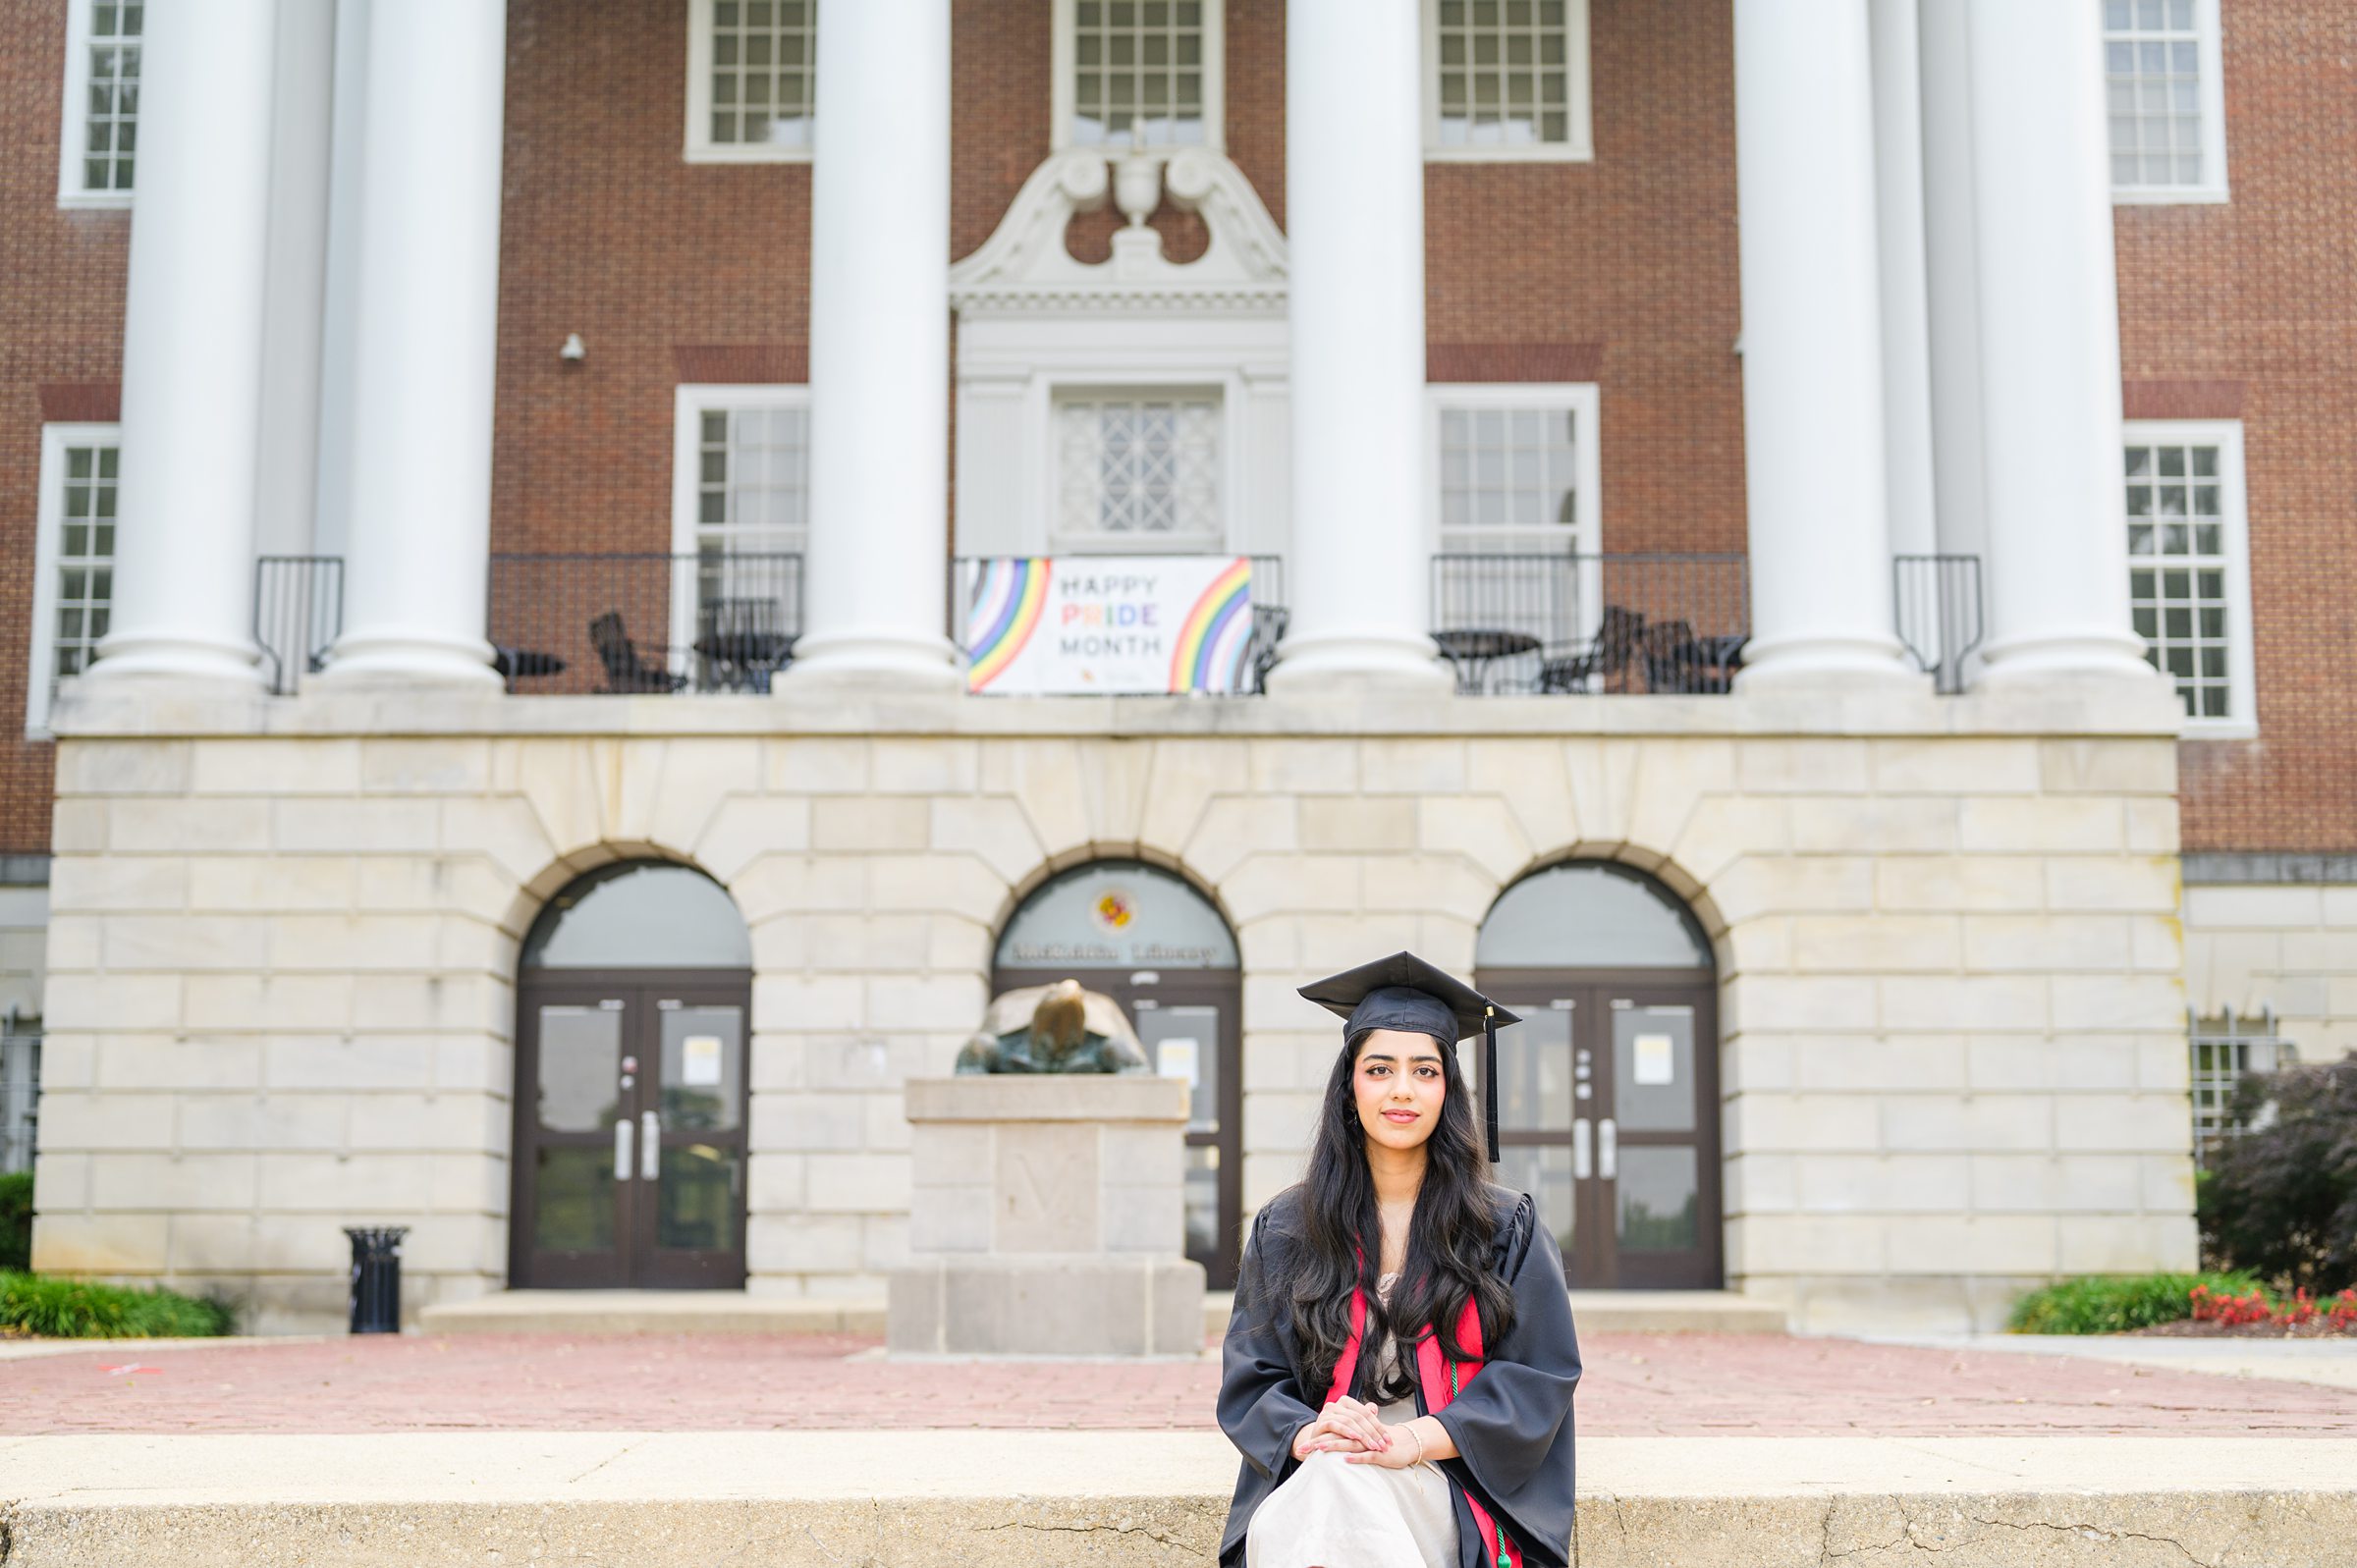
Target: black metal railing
[[297, 614], [562, 624], [1269, 615], [1561, 623], [1936, 602]]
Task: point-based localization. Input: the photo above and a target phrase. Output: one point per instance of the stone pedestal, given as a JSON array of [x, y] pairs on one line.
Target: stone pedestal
[[1046, 1219]]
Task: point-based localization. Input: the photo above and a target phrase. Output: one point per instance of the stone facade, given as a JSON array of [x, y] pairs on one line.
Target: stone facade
[[2281, 945], [283, 940]]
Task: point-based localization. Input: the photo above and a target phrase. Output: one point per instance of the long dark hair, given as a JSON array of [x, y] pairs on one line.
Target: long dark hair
[[1449, 1241]]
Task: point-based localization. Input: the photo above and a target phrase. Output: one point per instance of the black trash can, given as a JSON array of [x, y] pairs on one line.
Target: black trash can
[[377, 1277]]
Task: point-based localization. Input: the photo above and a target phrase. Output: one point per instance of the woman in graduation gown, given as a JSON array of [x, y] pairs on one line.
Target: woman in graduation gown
[[1399, 1367]]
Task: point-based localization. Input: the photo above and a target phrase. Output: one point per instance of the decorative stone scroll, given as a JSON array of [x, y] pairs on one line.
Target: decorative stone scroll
[[1024, 265]]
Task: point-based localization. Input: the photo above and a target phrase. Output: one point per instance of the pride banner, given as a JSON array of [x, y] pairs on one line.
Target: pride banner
[[1072, 625]]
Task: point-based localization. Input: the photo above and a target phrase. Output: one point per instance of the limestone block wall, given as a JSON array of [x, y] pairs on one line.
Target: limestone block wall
[[2291, 946], [282, 957]]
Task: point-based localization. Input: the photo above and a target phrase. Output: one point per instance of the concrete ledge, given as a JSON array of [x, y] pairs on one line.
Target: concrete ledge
[[151, 710], [1090, 1097], [917, 1499], [652, 1312]]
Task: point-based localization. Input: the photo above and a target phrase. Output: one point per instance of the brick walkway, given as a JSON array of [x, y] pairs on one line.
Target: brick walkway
[[1635, 1385]]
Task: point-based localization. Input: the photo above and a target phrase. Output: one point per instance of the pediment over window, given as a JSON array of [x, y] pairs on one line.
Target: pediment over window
[[1024, 265]]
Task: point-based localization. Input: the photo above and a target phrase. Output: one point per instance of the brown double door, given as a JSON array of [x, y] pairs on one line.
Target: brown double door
[[1190, 1023], [629, 1158], [1608, 1116]]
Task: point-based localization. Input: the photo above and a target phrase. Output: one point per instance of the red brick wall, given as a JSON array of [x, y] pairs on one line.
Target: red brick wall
[[61, 331], [2254, 304], [1627, 263]]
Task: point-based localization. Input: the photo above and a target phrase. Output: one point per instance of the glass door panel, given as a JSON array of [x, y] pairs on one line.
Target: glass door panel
[[691, 1173], [575, 1213]]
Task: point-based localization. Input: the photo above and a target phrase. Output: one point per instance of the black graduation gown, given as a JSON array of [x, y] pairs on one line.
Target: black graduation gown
[[1512, 1423]]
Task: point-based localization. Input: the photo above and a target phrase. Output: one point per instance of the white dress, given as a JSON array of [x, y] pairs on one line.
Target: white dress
[[1328, 1514]]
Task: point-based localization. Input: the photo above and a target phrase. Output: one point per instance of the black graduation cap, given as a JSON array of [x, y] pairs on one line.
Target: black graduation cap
[[1403, 992]]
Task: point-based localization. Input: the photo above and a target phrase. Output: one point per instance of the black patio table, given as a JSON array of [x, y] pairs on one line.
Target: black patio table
[[1475, 650], [521, 664], [753, 655]]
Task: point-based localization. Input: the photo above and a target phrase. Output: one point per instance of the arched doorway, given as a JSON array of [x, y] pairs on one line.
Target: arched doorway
[[1608, 1104], [632, 999], [1145, 937]]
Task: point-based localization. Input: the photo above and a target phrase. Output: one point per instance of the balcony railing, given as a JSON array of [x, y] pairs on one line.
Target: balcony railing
[[643, 623], [297, 614], [1563, 624], [1269, 615], [1937, 604]]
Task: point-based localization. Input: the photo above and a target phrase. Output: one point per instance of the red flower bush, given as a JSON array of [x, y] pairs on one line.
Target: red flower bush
[[2339, 1312]]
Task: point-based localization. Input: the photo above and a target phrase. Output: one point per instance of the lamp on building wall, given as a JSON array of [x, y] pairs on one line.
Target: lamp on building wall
[[574, 351]]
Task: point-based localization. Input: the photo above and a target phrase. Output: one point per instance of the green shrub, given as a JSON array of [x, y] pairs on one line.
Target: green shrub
[[2281, 1200], [84, 1308], [15, 1221], [2113, 1304]]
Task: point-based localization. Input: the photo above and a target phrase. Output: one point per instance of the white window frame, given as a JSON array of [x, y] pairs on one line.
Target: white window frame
[[700, 147], [691, 401], [1064, 99], [1580, 148], [1055, 394], [2243, 687], [2212, 187], [74, 127], [49, 513], [1585, 400]]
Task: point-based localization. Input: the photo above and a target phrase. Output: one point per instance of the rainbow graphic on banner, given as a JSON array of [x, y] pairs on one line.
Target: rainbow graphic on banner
[[1007, 601], [1212, 640]]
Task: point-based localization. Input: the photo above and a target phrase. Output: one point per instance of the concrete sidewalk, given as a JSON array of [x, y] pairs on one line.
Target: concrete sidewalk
[[2326, 1363], [917, 1499]]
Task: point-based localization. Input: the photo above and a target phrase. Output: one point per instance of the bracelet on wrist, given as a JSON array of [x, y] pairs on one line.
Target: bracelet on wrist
[[1420, 1437]]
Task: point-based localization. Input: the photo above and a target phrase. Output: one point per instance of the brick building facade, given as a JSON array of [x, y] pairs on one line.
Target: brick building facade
[[1920, 893]]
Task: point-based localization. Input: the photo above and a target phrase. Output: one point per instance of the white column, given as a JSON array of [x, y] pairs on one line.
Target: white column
[[2049, 344], [875, 582], [1952, 277], [425, 310], [1358, 576], [1907, 481], [192, 347], [1813, 425]]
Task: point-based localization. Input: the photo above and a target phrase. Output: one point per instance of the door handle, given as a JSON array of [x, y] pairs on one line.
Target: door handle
[[1583, 1162], [1608, 1149], [650, 1147], [622, 1149]]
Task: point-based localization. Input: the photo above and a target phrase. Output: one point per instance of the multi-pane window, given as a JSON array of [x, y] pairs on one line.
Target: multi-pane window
[[2225, 1049], [752, 480], [1506, 77], [1139, 73], [754, 88], [85, 557], [2159, 80], [101, 132], [73, 586], [1139, 469], [1510, 480], [2182, 516], [742, 509]]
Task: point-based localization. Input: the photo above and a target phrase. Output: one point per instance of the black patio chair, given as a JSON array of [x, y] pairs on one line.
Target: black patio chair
[[626, 669], [1606, 658]]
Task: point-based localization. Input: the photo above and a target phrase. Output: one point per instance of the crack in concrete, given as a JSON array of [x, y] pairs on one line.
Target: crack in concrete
[[1911, 1540], [1158, 1535], [618, 1453]]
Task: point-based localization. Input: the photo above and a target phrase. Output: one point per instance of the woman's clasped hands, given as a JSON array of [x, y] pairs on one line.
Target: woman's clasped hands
[[1353, 1429]]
